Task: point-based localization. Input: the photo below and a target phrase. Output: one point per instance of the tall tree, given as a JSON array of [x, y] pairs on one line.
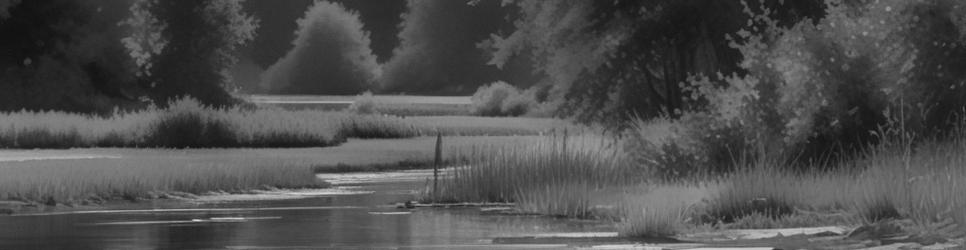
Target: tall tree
[[64, 55], [612, 60], [438, 51], [185, 48], [331, 55]]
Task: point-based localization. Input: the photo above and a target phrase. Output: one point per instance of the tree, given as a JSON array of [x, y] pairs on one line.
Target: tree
[[331, 55], [187, 47], [64, 55], [4, 5], [613, 60], [437, 52]]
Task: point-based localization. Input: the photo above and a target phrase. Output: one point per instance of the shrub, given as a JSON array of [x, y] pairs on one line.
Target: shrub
[[186, 123], [816, 90], [502, 99], [364, 104]]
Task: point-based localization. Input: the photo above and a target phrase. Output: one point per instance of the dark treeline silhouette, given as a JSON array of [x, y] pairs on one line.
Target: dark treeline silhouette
[[277, 28], [96, 55], [331, 55], [437, 52], [64, 55]]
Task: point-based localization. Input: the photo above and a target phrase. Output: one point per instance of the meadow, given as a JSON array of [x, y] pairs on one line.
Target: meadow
[[188, 124], [187, 147], [79, 176], [397, 105]]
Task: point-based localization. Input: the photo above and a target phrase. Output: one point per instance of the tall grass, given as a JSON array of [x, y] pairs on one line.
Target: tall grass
[[187, 123], [78, 181], [543, 177], [660, 210], [494, 126], [574, 178], [922, 183]]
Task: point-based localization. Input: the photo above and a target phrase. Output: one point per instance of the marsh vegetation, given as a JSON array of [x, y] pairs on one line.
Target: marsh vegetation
[[662, 117]]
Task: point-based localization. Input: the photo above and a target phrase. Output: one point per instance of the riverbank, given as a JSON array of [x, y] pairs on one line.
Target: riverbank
[[909, 193], [363, 220], [74, 177]]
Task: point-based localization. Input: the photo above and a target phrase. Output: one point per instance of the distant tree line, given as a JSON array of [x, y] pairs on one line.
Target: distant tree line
[[96, 55], [603, 62]]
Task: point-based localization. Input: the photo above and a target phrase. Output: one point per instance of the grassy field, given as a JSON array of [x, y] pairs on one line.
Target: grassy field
[[399, 105], [187, 123], [574, 178], [126, 173], [274, 148]]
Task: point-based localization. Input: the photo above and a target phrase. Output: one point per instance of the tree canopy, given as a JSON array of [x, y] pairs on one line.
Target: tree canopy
[[612, 60], [331, 55], [186, 47]]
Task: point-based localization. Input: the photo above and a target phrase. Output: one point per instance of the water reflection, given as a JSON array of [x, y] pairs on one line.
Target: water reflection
[[338, 227]]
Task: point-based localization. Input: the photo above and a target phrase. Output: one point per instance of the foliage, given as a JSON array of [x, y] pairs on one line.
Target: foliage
[[64, 55], [331, 55], [437, 48], [610, 61], [364, 104], [186, 47], [4, 4], [502, 99], [824, 89]]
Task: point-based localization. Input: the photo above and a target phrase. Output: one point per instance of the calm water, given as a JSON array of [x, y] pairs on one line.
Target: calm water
[[361, 221]]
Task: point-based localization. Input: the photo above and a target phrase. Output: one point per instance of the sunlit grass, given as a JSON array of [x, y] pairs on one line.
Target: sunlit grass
[[80, 181], [922, 183], [494, 126], [127, 173], [528, 173], [187, 123]]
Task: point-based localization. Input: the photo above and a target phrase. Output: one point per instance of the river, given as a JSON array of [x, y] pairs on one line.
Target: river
[[359, 216]]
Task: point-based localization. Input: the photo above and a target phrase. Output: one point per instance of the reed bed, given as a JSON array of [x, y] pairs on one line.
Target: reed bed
[[660, 210], [581, 177], [542, 177]]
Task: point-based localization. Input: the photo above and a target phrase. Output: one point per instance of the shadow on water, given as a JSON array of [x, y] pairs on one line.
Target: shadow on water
[[360, 220]]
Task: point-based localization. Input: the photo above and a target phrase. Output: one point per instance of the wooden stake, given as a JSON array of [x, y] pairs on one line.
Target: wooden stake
[[436, 161]]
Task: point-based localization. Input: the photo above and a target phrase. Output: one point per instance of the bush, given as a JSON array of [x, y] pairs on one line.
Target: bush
[[364, 104], [186, 123], [819, 89], [502, 99]]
